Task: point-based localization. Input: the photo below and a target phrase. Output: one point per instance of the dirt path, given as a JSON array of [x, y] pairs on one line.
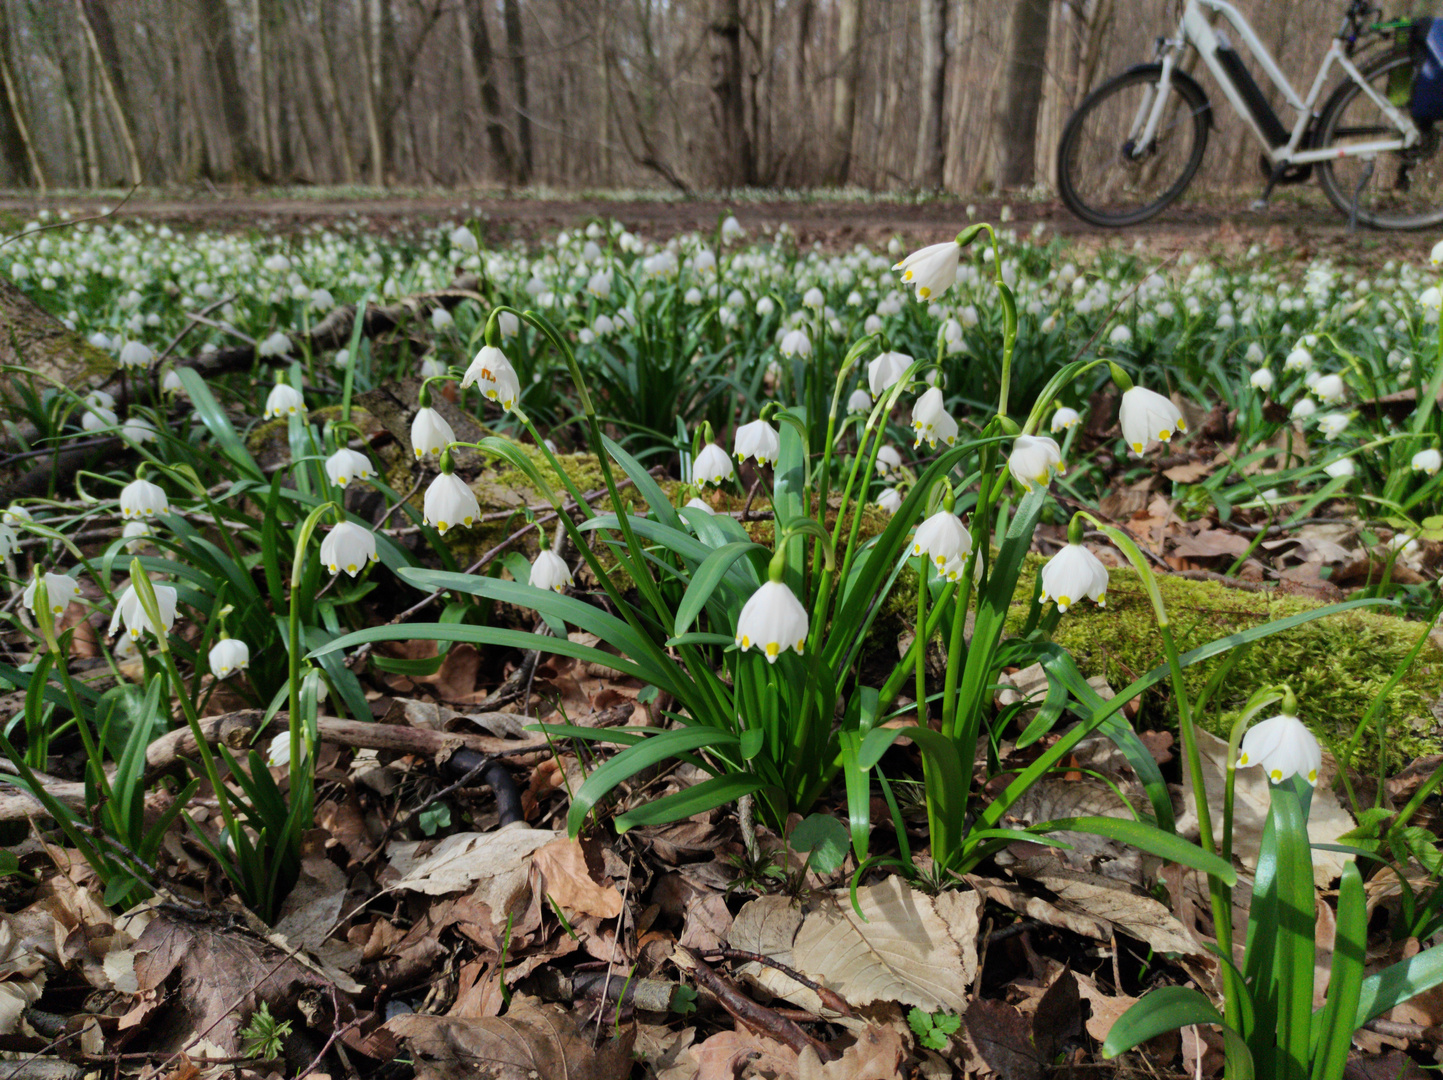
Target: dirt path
[[1300, 227]]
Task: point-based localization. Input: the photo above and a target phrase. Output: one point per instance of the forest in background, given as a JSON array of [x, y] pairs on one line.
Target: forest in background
[[687, 94]]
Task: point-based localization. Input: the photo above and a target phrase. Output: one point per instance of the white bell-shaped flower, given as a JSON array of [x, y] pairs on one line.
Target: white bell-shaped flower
[[944, 540], [430, 434], [450, 502], [886, 370], [1071, 574], [60, 589], [860, 402], [796, 343], [1284, 747], [550, 571], [1034, 459], [228, 656], [931, 270], [463, 239], [890, 500], [136, 533], [931, 421], [1303, 408], [142, 499], [731, 229], [277, 344], [889, 459], [758, 440], [346, 465], [712, 466], [1333, 424], [509, 324], [1262, 379], [1330, 389], [696, 504], [129, 611], [1146, 416], [493, 373], [1065, 418], [284, 400], [1340, 469], [1427, 461], [138, 430], [773, 620], [599, 284], [1298, 360], [814, 299], [348, 547], [136, 354], [15, 514]]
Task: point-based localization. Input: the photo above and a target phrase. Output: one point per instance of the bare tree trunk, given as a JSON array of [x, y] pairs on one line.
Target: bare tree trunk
[[763, 94], [100, 36], [927, 170], [1016, 119], [802, 112], [844, 87], [725, 38], [16, 144], [87, 122], [325, 69], [219, 49], [483, 62], [516, 45], [368, 12]]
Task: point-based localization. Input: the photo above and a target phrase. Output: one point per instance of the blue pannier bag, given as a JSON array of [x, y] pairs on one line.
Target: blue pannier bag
[[1425, 103]]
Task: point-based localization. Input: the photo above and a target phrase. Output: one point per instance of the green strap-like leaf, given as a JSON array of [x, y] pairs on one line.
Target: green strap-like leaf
[[1332, 1035], [1170, 1008], [697, 799], [705, 581], [1154, 841], [635, 758], [1399, 983]]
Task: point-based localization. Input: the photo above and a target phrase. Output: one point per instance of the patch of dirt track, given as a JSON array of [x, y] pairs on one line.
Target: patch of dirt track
[[1289, 228]]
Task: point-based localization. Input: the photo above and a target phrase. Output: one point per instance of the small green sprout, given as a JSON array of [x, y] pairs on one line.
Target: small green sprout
[[262, 1036], [933, 1030]]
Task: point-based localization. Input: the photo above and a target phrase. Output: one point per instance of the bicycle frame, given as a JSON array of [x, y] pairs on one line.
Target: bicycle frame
[[1196, 30]]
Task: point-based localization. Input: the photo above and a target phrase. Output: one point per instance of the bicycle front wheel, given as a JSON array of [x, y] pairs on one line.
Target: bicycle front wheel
[[1104, 176], [1405, 187]]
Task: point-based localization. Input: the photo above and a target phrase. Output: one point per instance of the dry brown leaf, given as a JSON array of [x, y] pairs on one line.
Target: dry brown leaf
[[707, 921], [22, 976], [313, 907], [1190, 472], [913, 948], [1103, 1009], [1211, 543], [725, 1054], [564, 877], [998, 1041], [531, 1041], [1112, 901], [876, 1055]]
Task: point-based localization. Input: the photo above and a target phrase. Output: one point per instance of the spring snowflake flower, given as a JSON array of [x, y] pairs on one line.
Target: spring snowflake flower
[[1146, 416], [284, 400], [1333, 424], [859, 402], [712, 466], [796, 343], [493, 373], [1298, 360], [1034, 459], [889, 459], [885, 371], [138, 430], [129, 611], [449, 503], [60, 589], [774, 621], [135, 534], [1340, 469], [731, 229], [890, 500], [1072, 574], [229, 656], [1427, 461], [170, 382], [15, 514], [1436, 256], [599, 284], [1284, 747], [931, 270], [692, 296], [277, 344], [1430, 301], [463, 239], [550, 571], [441, 319], [1120, 335], [696, 504], [759, 440], [136, 354], [142, 499], [930, 420], [346, 465], [1262, 379], [1065, 418], [1255, 353], [813, 298], [1330, 389], [509, 324], [945, 542], [430, 434], [348, 547], [1303, 408]]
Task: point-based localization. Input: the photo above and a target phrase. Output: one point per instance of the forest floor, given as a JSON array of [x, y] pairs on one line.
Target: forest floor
[[1298, 225]]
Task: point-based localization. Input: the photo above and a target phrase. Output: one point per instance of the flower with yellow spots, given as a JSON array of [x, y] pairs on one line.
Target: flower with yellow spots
[[932, 270], [1147, 417], [449, 502], [1072, 574], [773, 620], [348, 547], [1284, 747]]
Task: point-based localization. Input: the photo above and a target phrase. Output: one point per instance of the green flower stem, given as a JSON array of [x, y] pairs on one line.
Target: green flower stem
[[848, 363], [300, 777], [46, 623], [140, 582]]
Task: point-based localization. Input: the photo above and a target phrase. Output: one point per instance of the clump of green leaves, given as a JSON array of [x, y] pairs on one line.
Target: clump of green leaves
[[933, 1030], [263, 1034]]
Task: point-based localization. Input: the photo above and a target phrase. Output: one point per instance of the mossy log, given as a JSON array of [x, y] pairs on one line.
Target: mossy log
[[36, 341]]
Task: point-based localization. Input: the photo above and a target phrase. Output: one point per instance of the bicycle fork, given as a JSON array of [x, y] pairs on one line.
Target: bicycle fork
[[1150, 111]]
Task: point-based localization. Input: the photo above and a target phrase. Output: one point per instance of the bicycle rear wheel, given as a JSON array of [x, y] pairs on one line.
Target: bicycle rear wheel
[[1405, 190], [1103, 176]]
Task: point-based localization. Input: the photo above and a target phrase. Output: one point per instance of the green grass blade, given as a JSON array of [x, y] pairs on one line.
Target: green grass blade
[[697, 799], [635, 758], [1149, 838], [1332, 1035], [1168, 1009], [705, 581]]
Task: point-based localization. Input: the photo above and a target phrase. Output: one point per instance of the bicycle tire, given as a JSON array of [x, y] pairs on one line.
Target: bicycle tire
[[1093, 171], [1384, 204]]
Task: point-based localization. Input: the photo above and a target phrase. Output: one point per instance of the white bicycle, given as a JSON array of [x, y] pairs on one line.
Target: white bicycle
[[1136, 142]]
